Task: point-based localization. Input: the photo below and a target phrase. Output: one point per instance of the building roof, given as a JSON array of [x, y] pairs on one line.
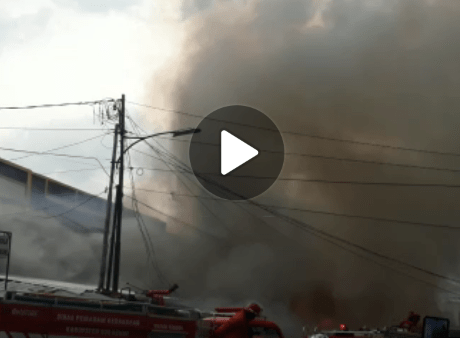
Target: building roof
[[75, 209]]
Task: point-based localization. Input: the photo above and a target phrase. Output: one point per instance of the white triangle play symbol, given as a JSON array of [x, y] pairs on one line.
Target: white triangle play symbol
[[233, 152]]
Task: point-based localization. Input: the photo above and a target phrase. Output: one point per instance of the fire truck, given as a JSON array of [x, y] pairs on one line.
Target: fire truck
[[150, 314], [408, 328]]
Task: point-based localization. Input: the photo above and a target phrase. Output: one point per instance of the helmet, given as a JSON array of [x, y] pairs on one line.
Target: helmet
[[254, 308]]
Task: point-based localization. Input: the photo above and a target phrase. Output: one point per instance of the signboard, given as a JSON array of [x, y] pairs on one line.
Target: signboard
[[4, 244], [435, 327]]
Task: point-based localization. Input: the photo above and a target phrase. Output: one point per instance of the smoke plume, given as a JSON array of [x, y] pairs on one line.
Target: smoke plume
[[374, 71]]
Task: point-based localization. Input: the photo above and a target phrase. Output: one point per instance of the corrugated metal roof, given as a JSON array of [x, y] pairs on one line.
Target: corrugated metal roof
[[87, 218]]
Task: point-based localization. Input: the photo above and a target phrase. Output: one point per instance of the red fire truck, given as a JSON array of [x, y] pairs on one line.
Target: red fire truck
[[408, 328], [152, 314]]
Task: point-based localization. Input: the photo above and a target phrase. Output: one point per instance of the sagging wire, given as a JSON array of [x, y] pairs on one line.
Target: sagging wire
[[325, 236], [161, 155], [181, 169], [151, 255], [106, 111], [75, 207]]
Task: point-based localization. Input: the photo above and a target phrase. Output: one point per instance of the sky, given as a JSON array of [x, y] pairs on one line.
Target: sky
[[71, 51], [382, 71]]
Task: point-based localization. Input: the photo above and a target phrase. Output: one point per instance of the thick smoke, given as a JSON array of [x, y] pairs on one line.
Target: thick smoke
[[374, 71], [49, 241], [377, 71]]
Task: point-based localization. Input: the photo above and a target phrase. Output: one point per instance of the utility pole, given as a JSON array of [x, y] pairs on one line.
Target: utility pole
[[10, 236], [108, 214], [112, 244], [119, 210], [111, 283]]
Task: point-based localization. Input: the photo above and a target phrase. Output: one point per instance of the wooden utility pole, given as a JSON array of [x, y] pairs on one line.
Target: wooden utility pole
[[8, 235], [108, 214], [115, 237], [119, 205], [112, 244]]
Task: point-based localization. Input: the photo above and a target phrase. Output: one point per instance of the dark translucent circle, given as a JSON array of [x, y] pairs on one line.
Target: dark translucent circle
[[251, 178]]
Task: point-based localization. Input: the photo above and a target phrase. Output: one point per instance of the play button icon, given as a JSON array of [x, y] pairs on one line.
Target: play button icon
[[234, 152], [238, 154]]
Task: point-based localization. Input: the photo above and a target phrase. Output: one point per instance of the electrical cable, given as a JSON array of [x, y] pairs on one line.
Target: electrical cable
[[392, 184], [157, 151], [59, 104], [333, 158], [66, 146], [379, 219], [173, 159], [24, 212], [144, 232], [75, 207], [372, 144], [73, 170], [54, 154], [172, 217], [52, 129], [144, 239], [371, 252], [391, 268], [82, 228], [322, 234], [316, 232], [177, 219], [102, 143]]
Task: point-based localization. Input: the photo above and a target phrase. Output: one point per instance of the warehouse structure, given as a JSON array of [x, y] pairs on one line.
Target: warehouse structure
[[23, 191]]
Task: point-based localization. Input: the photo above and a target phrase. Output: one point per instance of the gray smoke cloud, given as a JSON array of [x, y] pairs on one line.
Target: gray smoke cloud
[[374, 71], [377, 71], [51, 238]]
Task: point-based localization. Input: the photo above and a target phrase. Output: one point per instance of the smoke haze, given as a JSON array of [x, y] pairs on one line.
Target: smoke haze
[[373, 71]]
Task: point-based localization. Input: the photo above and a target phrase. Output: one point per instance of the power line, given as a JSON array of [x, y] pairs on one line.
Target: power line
[[330, 238], [73, 170], [77, 206], [58, 104], [372, 144], [393, 184], [433, 185], [150, 248], [66, 146], [390, 220], [340, 214], [389, 267], [357, 254], [54, 154], [159, 153], [52, 129], [317, 232], [176, 219], [165, 162], [83, 228], [148, 242], [307, 227], [24, 212], [323, 157]]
